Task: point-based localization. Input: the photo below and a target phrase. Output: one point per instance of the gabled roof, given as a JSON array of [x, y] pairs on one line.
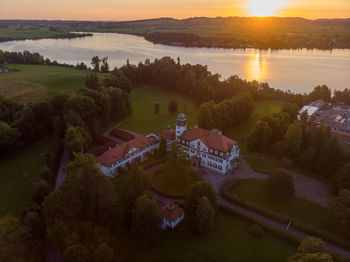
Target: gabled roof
[[119, 152], [168, 134], [171, 212], [209, 138]]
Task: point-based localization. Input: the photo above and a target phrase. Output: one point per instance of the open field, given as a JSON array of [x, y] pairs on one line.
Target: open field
[[262, 108], [254, 190], [18, 174], [143, 119], [21, 91], [262, 164], [229, 241], [53, 83]]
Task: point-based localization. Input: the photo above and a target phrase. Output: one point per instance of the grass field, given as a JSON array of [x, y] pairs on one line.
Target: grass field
[[179, 188], [254, 190], [262, 164], [18, 174], [143, 119], [51, 84], [46, 68], [262, 108], [229, 241]]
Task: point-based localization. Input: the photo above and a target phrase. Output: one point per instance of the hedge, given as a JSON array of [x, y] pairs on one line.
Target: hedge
[[293, 239], [300, 225], [152, 161]]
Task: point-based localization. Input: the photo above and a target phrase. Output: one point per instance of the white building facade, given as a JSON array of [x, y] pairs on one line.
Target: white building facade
[[126, 154], [209, 149]]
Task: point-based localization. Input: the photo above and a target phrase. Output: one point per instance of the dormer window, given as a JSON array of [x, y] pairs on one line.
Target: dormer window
[[221, 154], [211, 150], [216, 152]]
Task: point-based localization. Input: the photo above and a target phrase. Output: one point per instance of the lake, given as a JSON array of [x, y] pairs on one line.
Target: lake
[[296, 70]]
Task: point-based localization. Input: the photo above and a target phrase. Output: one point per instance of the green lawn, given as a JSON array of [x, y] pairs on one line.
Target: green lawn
[[143, 119], [262, 164], [254, 190], [262, 108], [18, 175], [229, 241], [178, 187], [55, 83]]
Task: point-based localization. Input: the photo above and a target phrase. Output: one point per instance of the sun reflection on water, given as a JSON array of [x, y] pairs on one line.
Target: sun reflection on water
[[256, 67]]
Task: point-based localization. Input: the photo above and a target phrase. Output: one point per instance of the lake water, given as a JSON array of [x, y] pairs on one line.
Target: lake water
[[296, 70]]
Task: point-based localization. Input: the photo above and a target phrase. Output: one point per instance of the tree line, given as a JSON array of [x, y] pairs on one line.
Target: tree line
[[226, 114]]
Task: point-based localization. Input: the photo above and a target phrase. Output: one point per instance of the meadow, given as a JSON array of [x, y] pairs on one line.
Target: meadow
[[39, 82], [228, 241], [143, 118], [18, 174], [254, 190]]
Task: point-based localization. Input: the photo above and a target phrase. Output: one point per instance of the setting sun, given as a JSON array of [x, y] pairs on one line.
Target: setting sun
[[264, 7]]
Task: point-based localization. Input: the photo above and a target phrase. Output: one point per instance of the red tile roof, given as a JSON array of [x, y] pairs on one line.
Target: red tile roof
[[119, 152], [168, 134], [172, 212], [210, 138]]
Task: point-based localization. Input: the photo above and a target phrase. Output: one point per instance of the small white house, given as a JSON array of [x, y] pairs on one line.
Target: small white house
[[172, 215]]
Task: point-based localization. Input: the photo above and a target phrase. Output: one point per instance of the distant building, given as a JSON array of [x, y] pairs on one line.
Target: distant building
[[209, 149], [311, 108], [126, 153], [172, 215], [3, 69]]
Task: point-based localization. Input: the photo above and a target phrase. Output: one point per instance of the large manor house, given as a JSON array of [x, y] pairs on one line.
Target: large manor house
[[208, 149]]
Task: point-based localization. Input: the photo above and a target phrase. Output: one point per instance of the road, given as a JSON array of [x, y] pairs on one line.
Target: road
[[53, 254]]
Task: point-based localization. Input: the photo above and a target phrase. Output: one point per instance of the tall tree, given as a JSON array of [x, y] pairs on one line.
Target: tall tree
[[205, 215], [95, 62], [173, 106], [146, 218], [105, 65], [340, 209], [293, 139]]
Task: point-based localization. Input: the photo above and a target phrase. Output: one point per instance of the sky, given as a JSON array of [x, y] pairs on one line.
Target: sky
[[142, 9]]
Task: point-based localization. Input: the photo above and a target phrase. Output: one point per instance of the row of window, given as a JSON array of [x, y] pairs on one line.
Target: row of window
[[212, 165]]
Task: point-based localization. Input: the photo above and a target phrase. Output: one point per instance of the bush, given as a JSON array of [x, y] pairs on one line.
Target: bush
[[256, 231]]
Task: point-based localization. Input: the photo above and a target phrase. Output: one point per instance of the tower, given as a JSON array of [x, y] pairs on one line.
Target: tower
[[181, 125]]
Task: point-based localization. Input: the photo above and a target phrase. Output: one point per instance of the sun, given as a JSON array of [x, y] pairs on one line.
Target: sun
[[264, 7]]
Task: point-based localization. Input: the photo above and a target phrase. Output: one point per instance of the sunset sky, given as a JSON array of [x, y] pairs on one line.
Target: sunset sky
[[140, 9]]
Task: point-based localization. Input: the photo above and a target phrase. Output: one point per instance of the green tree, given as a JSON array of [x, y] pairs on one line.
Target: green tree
[[198, 190], [74, 140], [8, 136], [292, 109], [105, 65], [311, 249], [341, 180], [146, 218], [280, 185], [293, 139], [340, 210], [75, 253], [95, 62], [41, 190], [205, 215], [259, 137], [156, 108], [36, 224], [103, 253], [162, 150], [173, 106], [92, 82], [16, 242]]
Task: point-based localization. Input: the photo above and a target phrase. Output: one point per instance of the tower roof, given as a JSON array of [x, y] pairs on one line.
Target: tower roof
[[181, 117]]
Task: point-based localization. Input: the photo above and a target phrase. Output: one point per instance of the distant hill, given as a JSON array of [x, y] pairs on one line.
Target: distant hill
[[225, 32]]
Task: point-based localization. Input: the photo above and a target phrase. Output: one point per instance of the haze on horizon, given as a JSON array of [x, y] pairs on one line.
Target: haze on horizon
[[138, 9]]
